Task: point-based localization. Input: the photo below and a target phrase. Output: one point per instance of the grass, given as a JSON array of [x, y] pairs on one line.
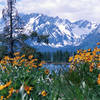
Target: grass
[[23, 78]]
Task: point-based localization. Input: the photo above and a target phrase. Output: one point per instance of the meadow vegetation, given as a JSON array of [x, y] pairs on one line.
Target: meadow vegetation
[[23, 78]]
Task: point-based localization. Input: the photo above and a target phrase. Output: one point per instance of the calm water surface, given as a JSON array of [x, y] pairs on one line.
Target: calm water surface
[[56, 67]]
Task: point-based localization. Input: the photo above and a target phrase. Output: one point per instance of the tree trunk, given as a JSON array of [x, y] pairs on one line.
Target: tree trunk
[[11, 32]]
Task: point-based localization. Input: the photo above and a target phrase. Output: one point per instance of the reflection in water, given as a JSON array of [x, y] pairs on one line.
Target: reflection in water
[[57, 67]]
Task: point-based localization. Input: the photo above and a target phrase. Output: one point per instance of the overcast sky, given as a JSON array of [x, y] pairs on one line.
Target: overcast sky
[[70, 9]]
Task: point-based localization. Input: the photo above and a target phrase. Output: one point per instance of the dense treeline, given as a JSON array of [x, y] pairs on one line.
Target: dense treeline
[[56, 57]]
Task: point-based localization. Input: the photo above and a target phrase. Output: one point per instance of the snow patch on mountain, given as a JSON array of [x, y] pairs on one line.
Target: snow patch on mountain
[[61, 31], [64, 31], [29, 26]]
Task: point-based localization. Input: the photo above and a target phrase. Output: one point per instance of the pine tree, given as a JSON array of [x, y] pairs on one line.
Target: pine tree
[[13, 36], [12, 25]]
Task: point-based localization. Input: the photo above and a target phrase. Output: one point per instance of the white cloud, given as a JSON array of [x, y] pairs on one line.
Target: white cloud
[[70, 9]]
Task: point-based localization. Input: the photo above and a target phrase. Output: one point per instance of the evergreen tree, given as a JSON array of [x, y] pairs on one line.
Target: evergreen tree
[[13, 36], [66, 56], [60, 56], [12, 24]]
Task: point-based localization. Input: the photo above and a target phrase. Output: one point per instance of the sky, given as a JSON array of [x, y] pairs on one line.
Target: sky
[[69, 9]]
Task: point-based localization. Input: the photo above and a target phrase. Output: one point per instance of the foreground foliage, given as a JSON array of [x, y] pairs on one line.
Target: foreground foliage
[[83, 78], [23, 78]]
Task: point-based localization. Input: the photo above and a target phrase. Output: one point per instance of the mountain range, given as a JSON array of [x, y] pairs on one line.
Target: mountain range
[[63, 34]]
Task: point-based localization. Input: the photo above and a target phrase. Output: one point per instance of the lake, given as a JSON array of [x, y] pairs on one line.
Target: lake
[[56, 67]]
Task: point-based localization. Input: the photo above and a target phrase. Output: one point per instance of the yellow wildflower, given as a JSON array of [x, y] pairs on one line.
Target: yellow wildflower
[[11, 58], [3, 67], [35, 66], [40, 64], [23, 60], [28, 89], [98, 65], [30, 56], [43, 93], [89, 49], [85, 51], [71, 58], [35, 59], [98, 43], [7, 84], [9, 96], [91, 67], [98, 80], [1, 98], [17, 58], [17, 53], [47, 71], [23, 56], [99, 76], [78, 51], [6, 58], [11, 90], [2, 87]]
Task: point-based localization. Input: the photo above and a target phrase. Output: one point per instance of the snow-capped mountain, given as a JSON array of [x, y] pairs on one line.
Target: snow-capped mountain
[[91, 39], [62, 33]]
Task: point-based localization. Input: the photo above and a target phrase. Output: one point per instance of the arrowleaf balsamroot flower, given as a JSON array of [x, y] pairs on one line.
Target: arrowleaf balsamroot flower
[[17, 53], [7, 84], [98, 43], [91, 67], [89, 49], [11, 91], [6, 58], [98, 80], [44, 93], [71, 58], [30, 57], [47, 71], [98, 66], [23, 56], [28, 89], [4, 86], [1, 98]]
